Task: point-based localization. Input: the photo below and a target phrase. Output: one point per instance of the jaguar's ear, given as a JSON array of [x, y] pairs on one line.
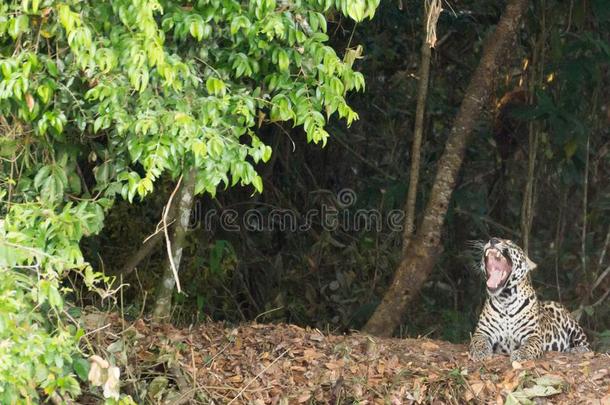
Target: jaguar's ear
[[530, 263]]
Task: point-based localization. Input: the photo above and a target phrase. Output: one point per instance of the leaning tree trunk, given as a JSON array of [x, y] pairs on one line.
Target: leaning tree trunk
[[417, 263], [168, 280]]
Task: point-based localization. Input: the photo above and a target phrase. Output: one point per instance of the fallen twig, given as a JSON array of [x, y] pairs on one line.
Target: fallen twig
[[168, 243]]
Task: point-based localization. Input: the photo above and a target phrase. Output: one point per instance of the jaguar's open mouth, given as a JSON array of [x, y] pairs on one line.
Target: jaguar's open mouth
[[498, 268]]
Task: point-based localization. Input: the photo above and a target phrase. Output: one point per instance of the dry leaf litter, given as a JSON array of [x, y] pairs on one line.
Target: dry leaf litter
[[261, 364]]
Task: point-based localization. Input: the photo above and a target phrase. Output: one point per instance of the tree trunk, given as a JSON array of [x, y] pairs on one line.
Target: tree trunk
[[535, 78], [165, 289], [422, 95], [419, 260]]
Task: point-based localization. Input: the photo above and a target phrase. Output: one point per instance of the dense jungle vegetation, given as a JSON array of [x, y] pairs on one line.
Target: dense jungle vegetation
[[186, 161]]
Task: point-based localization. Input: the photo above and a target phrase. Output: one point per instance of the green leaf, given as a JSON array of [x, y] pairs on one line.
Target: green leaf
[[97, 124], [74, 181], [257, 182], [352, 54], [266, 153], [19, 25], [215, 147], [52, 68], [196, 29], [199, 148], [102, 172], [44, 92], [41, 176], [215, 86], [55, 299], [283, 61], [81, 367]]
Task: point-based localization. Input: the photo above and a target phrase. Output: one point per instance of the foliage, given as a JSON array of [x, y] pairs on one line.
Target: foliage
[[31, 355], [99, 100]]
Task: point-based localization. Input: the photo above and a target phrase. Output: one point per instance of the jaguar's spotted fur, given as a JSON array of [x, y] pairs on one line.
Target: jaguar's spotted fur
[[513, 321]]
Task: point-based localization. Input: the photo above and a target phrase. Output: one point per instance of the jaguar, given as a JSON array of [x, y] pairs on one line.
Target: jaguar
[[513, 321]]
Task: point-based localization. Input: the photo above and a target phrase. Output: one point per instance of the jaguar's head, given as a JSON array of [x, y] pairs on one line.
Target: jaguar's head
[[504, 265]]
